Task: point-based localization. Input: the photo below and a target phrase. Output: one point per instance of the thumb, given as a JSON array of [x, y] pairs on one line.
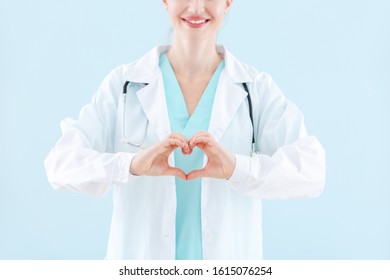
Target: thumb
[[198, 173], [177, 172]]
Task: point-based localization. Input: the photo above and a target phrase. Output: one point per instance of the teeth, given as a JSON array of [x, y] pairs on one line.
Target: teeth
[[197, 21]]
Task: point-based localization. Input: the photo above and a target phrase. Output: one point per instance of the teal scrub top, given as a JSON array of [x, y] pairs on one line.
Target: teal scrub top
[[188, 193]]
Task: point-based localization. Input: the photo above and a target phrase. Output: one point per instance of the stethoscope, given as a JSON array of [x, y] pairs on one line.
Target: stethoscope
[[125, 140]]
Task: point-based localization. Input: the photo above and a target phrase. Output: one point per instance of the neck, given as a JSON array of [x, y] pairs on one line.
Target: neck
[[193, 59]]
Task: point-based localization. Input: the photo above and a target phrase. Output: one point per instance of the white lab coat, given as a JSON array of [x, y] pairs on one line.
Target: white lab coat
[[90, 158]]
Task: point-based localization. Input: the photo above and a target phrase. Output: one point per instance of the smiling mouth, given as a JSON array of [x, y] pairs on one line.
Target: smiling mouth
[[195, 22]]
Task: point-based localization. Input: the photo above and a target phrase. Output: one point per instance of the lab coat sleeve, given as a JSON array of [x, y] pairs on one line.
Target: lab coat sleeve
[[289, 164], [82, 160]]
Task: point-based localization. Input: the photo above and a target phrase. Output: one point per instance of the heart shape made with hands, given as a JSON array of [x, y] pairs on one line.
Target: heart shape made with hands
[[220, 163], [154, 161]]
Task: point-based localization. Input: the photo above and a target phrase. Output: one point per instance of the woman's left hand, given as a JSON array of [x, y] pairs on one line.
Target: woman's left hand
[[220, 163]]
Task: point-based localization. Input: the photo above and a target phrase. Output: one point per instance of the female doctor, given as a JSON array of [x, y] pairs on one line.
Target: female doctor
[[188, 153]]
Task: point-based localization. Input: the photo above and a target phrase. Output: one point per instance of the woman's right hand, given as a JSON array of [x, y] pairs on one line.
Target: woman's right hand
[[154, 160]]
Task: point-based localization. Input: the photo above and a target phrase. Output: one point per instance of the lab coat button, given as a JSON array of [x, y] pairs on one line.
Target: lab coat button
[[207, 234]]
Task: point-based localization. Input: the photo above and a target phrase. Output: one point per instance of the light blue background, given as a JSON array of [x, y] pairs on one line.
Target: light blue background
[[332, 58]]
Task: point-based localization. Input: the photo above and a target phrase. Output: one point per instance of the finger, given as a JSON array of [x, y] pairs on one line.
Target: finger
[[186, 150], [174, 143], [201, 139], [178, 135], [177, 172], [199, 173], [199, 133]]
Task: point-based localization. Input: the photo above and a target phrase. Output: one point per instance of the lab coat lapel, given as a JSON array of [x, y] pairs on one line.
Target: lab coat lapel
[[152, 99], [227, 100]]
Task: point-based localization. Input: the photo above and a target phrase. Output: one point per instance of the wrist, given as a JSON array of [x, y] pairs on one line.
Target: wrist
[[132, 166], [232, 166]]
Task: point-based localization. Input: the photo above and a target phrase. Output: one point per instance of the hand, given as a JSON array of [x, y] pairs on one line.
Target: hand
[[220, 163], [154, 160]]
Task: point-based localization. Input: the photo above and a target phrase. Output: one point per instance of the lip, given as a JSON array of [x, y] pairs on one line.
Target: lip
[[195, 22]]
